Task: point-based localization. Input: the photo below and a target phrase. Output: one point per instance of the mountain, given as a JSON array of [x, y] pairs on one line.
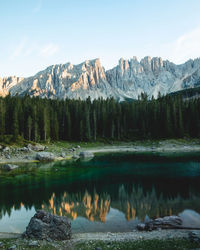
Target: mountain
[[127, 80], [153, 76], [7, 83]]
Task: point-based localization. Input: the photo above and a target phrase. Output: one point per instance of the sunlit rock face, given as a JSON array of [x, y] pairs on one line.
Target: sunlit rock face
[[67, 81], [127, 80], [7, 83]]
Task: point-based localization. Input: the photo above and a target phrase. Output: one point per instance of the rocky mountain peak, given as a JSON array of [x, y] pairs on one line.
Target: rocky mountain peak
[[127, 80], [134, 58]]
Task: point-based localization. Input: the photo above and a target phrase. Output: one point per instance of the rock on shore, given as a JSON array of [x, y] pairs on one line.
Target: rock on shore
[[48, 226], [36, 147], [167, 222], [45, 156]]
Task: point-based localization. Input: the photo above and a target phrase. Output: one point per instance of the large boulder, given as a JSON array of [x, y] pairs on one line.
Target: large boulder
[[45, 156], [9, 167], [86, 154], [48, 226]]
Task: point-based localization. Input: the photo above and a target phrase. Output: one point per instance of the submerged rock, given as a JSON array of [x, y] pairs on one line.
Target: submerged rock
[[75, 157], [45, 156], [86, 154], [12, 247], [9, 167], [48, 226]]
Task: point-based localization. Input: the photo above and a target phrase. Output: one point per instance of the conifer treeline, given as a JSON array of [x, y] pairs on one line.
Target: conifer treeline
[[75, 120]]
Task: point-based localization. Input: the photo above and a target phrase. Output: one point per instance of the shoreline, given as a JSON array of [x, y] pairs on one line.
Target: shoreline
[[119, 236], [127, 240], [164, 146], [143, 149]]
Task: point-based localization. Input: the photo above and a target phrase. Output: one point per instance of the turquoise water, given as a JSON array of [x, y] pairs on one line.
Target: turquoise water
[[111, 192]]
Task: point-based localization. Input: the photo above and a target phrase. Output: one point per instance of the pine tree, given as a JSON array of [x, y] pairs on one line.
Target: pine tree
[[36, 136], [29, 126], [87, 129], [180, 123], [2, 118], [68, 126], [15, 123], [45, 124], [94, 126], [54, 127]]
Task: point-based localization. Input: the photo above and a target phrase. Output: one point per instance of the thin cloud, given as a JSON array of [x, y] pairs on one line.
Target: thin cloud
[[185, 47], [49, 50], [19, 49], [38, 7]]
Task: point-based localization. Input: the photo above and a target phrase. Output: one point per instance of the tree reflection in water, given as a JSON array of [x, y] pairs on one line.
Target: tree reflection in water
[[95, 207]]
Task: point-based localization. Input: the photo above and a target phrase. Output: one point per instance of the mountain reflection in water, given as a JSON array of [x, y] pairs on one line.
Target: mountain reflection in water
[[108, 193], [95, 207]]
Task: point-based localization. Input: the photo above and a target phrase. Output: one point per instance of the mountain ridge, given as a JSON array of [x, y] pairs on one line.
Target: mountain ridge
[[128, 79]]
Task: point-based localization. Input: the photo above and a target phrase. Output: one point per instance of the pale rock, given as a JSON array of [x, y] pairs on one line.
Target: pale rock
[[45, 156], [7, 83], [6, 149], [36, 147]]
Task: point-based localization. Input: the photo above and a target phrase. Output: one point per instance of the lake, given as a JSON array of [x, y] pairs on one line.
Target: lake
[[109, 193]]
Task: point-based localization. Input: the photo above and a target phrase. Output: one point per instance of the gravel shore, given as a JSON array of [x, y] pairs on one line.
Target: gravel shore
[[124, 236]]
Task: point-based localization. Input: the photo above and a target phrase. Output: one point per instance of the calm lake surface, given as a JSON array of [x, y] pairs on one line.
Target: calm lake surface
[[111, 192]]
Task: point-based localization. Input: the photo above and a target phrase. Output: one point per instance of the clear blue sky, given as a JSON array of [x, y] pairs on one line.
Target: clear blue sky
[[38, 33]]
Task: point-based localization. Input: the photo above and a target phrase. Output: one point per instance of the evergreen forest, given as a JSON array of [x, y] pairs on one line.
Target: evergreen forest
[[39, 119]]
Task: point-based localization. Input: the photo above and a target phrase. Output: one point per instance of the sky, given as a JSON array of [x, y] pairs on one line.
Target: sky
[[39, 33]]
